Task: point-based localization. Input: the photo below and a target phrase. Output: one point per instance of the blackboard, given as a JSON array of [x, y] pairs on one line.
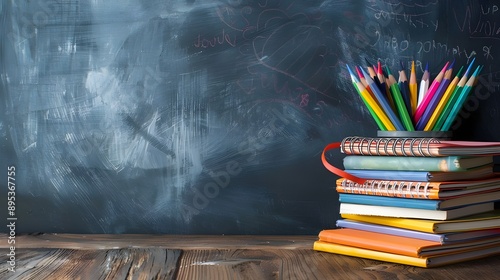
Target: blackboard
[[209, 117]]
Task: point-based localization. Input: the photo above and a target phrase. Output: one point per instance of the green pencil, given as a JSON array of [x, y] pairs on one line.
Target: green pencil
[[452, 100], [400, 104], [461, 100]]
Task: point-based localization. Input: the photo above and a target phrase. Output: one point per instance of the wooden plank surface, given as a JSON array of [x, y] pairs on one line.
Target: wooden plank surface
[[66, 256], [106, 241]]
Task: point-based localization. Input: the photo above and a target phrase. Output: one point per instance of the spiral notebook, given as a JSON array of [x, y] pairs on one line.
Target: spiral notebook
[[423, 190], [380, 146]]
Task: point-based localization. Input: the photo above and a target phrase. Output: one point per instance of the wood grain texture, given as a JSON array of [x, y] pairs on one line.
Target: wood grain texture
[[107, 241], [92, 264], [208, 257]]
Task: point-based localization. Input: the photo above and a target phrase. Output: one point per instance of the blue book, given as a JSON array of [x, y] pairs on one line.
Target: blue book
[[424, 176], [415, 203], [444, 238]]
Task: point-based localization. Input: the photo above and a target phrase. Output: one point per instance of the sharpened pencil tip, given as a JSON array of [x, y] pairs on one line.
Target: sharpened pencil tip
[[387, 69], [353, 77], [478, 69], [359, 72], [366, 75], [451, 65], [367, 62], [469, 67]]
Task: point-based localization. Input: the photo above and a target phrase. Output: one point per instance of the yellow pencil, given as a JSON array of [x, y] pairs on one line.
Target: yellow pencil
[[413, 88], [371, 103], [376, 108]]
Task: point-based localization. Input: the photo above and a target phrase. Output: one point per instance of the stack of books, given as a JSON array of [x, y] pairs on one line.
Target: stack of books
[[417, 201]]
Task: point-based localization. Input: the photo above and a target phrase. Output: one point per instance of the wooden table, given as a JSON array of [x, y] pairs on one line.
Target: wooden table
[[75, 256]]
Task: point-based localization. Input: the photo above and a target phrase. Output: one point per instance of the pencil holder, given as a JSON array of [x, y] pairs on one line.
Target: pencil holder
[[415, 134]]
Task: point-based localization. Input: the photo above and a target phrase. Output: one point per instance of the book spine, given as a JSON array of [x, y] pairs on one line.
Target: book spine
[[420, 176], [414, 147], [444, 164], [410, 224], [396, 212], [405, 189], [391, 230], [390, 201], [368, 254]]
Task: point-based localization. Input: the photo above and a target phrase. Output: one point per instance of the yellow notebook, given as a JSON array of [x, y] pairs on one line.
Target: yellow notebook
[[475, 222], [431, 261]]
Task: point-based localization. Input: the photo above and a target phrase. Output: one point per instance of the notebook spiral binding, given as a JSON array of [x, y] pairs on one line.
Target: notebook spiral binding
[[389, 188], [388, 146]]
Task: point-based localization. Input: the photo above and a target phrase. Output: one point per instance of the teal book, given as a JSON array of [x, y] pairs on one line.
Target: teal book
[[428, 204], [445, 164], [484, 171]]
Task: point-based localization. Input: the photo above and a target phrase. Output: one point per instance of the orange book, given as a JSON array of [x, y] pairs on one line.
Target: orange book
[[422, 190], [399, 244]]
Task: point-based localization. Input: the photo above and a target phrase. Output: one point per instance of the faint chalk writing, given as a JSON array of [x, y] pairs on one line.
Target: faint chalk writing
[[485, 10], [478, 25], [211, 42], [393, 44], [413, 15]]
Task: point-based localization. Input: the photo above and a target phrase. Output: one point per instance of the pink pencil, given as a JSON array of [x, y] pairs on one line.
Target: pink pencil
[[429, 94]]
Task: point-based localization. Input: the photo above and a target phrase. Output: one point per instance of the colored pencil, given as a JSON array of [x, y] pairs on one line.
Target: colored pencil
[[381, 77], [404, 89], [398, 100], [461, 100], [362, 79], [413, 88], [422, 122], [378, 115], [424, 85], [444, 99], [383, 84], [384, 103], [372, 72], [429, 94], [453, 99]]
